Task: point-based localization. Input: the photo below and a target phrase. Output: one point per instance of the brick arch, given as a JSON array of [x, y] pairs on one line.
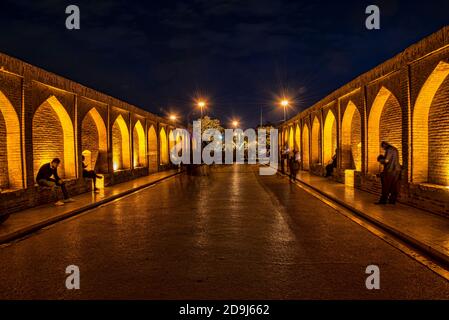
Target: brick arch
[[152, 148], [316, 141], [53, 137], [139, 152], [11, 176], [424, 133], [163, 143], [305, 147], [297, 138], [291, 138], [120, 144], [94, 141], [384, 124], [351, 138], [329, 137]]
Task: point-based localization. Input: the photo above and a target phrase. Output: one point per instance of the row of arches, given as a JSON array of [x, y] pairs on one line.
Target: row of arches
[[53, 136], [319, 138]]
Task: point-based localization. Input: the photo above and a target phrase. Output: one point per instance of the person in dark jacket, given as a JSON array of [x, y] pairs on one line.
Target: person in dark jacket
[[332, 165], [391, 174], [44, 179], [91, 174]]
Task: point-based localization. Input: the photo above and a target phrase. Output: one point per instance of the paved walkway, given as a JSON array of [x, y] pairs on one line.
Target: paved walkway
[[428, 231], [24, 222]]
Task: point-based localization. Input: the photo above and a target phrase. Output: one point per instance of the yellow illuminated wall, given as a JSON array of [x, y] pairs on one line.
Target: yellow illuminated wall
[[305, 147], [329, 137], [316, 141], [11, 169], [120, 144], [298, 138], [139, 152], [152, 148], [291, 139], [430, 137], [53, 137], [351, 138], [94, 141], [384, 124], [163, 143]]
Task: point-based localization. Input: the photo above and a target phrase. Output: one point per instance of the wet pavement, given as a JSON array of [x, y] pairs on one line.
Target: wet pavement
[[230, 235]]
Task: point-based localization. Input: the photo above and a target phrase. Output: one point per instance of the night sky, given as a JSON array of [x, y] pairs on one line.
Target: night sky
[[240, 55]]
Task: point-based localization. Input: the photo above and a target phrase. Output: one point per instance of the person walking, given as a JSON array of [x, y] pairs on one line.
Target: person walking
[[294, 165], [44, 179], [391, 174]]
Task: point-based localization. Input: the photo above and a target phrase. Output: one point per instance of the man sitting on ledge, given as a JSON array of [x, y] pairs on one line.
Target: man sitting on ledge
[[44, 179]]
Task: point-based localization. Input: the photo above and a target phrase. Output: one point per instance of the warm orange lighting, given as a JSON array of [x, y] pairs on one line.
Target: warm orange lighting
[[285, 103], [201, 104], [173, 117], [235, 123]]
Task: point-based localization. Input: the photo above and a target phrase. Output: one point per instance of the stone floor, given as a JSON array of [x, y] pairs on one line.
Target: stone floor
[[427, 230], [22, 222]]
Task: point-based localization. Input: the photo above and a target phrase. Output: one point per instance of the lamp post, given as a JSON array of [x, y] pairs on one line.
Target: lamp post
[[285, 103], [201, 105]]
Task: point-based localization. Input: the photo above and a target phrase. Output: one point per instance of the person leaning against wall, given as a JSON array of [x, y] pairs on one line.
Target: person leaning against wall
[[391, 174]]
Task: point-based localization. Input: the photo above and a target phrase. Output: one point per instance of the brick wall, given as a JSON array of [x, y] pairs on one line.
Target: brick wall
[[47, 142], [117, 147], [439, 137], [4, 176], [390, 126], [89, 140]]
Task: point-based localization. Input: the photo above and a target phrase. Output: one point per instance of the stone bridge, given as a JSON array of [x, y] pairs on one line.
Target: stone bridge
[[404, 101], [44, 116]]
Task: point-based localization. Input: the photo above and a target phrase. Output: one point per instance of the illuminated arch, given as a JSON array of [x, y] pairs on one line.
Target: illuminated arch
[[351, 138], [152, 148], [329, 137], [291, 138], [316, 141], [94, 141], [298, 138], [139, 152], [12, 173], [163, 143], [421, 132], [50, 121], [305, 147], [120, 144], [385, 110]]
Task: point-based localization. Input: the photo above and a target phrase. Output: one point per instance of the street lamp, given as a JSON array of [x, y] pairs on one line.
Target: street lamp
[[235, 123], [173, 117], [201, 104], [285, 103]]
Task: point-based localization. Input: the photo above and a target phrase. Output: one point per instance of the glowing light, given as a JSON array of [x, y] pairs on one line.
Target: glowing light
[[235, 123], [285, 103], [201, 104], [173, 117]]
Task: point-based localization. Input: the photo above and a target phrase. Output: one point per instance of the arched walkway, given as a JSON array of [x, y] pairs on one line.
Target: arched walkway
[[329, 137], [10, 154], [120, 145], [94, 141], [305, 148], [152, 148], [316, 142], [431, 129], [139, 152], [351, 138], [163, 143], [53, 137], [384, 124]]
